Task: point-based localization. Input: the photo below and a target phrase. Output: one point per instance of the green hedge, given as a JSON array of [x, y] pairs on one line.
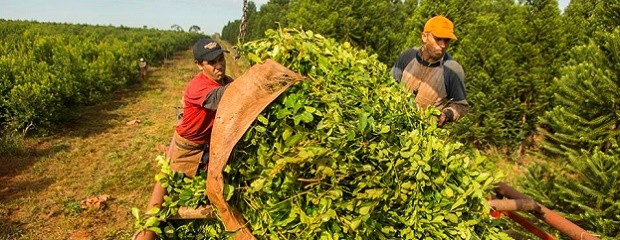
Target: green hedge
[[47, 69]]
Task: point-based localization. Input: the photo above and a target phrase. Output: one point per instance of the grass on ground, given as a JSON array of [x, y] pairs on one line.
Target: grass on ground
[[109, 150]]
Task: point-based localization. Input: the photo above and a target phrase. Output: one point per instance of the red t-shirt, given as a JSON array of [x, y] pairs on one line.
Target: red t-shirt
[[197, 120]]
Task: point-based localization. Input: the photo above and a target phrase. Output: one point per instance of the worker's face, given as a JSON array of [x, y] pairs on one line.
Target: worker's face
[[215, 69], [435, 46]]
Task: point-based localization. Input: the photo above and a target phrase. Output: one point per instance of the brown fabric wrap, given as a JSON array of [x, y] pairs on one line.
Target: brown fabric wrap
[[241, 103], [185, 155]]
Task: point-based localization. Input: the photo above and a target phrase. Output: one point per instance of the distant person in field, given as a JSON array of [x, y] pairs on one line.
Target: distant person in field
[[431, 74], [189, 149], [143, 69]]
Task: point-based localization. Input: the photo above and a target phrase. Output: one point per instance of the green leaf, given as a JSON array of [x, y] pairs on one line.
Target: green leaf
[[406, 154], [460, 201], [452, 217], [153, 211], [482, 177], [306, 117], [355, 223], [363, 122], [135, 213], [384, 129], [421, 176], [253, 57], [155, 230], [447, 192], [152, 222], [364, 210], [309, 109], [438, 218], [229, 190], [262, 119], [260, 129], [168, 230], [286, 134], [293, 140], [283, 113], [257, 185]]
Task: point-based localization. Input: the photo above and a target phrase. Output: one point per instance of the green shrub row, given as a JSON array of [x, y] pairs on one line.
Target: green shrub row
[[47, 69]]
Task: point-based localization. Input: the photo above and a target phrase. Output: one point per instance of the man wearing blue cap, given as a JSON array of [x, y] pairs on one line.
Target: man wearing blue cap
[[200, 101]]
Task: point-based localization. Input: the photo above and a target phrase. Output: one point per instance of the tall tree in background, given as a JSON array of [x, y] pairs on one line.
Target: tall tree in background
[[609, 15], [582, 127], [487, 55], [579, 18], [176, 27], [406, 30], [366, 24], [538, 44], [587, 114], [194, 28], [588, 106], [230, 32], [271, 16]]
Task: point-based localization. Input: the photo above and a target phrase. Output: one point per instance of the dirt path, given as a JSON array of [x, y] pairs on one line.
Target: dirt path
[[110, 150]]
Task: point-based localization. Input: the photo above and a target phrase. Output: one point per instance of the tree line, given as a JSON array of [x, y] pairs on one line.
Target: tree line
[[518, 58], [540, 80]]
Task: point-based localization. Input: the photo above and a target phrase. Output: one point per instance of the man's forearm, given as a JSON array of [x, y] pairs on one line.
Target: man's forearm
[[456, 110]]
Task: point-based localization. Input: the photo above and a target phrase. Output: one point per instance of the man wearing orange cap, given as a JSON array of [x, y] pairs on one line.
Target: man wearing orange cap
[[432, 75]]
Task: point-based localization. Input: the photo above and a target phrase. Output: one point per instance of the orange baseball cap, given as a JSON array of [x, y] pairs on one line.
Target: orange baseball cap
[[440, 26]]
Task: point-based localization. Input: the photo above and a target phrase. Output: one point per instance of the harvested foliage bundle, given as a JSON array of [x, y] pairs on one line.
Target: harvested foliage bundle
[[346, 155]]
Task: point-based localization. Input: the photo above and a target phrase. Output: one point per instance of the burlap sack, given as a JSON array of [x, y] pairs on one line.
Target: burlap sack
[[241, 103]]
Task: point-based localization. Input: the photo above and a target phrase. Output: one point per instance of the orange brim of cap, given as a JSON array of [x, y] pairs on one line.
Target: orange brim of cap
[[441, 33]]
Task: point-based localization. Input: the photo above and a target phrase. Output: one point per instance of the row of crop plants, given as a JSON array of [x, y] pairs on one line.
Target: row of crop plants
[[48, 69]]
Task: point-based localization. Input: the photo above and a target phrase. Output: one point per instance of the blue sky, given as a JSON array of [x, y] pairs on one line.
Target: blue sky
[[209, 15]]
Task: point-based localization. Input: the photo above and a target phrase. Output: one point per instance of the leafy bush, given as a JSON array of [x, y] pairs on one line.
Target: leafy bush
[[346, 154], [47, 69]]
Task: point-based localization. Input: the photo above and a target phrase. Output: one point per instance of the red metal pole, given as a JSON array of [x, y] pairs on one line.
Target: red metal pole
[[563, 225], [529, 226]]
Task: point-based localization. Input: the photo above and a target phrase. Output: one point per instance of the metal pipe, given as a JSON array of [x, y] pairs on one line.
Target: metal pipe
[[514, 205], [529, 226], [563, 225]]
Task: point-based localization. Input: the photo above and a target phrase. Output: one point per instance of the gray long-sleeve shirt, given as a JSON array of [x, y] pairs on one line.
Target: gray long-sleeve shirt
[[441, 84]]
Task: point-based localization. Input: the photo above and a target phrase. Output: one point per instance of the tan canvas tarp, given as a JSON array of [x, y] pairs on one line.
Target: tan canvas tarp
[[241, 103]]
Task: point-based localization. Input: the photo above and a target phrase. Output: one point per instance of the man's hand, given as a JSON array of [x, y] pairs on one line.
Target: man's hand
[[446, 116], [441, 119]]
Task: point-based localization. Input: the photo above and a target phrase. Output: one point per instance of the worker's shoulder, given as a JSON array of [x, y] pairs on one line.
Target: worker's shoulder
[[453, 64], [409, 53], [453, 68]]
